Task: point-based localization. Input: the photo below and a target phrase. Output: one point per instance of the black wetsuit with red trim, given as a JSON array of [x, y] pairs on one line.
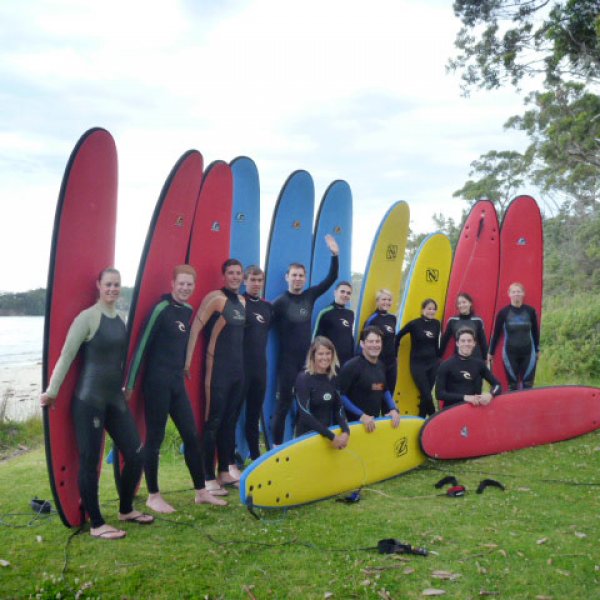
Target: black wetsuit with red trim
[[162, 347], [224, 316], [292, 317]]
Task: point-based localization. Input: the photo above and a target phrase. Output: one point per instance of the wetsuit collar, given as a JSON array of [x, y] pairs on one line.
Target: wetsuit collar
[[336, 305], [252, 298], [169, 298], [229, 293], [109, 311]]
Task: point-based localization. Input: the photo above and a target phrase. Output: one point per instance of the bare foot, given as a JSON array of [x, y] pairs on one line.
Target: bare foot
[[135, 516], [235, 472], [203, 496], [226, 478], [213, 486], [158, 504], [107, 532]]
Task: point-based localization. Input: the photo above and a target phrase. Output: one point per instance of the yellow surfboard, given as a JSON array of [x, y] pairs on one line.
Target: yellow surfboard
[[428, 278], [384, 266], [309, 468]]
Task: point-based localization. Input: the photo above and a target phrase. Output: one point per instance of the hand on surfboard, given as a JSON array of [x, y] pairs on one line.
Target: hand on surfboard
[[46, 400], [395, 417], [479, 399], [339, 442], [368, 422], [332, 244]]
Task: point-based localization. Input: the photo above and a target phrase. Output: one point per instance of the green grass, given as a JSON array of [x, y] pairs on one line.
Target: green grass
[[536, 539]]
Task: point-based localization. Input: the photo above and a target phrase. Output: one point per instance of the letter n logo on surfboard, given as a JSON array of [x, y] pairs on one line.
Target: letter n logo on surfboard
[[432, 275], [401, 447], [392, 252]]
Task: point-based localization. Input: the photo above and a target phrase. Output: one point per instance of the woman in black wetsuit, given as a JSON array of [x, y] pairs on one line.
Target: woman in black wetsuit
[[99, 403], [319, 402], [424, 353], [466, 317]]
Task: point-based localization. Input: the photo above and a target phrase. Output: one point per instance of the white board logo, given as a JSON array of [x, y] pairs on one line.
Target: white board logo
[[216, 226], [522, 241], [464, 432]]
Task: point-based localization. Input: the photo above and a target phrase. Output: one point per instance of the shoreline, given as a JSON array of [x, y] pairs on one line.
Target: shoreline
[[20, 389]]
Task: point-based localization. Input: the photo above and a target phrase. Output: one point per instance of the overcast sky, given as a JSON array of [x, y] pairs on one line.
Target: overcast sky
[[344, 89]]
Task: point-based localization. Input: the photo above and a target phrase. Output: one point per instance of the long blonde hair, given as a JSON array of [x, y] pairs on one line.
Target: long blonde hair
[[310, 357]]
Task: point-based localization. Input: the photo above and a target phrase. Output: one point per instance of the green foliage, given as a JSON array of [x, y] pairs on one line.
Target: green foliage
[[15, 436], [505, 40], [23, 303]]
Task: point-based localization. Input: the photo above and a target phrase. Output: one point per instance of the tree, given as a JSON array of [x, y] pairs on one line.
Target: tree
[[503, 41]]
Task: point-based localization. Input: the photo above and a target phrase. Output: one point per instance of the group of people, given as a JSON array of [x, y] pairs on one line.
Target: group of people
[[318, 370]]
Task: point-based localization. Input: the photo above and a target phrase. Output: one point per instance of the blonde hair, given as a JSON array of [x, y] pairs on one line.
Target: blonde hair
[[517, 284], [383, 292], [310, 366]]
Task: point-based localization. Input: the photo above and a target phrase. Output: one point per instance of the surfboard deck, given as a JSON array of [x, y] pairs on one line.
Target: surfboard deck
[[427, 278], [334, 217], [521, 260], [308, 469], [208, 250], [476, 266], [245, 246], [83, 243], [290, 240], [385, 263], [512, 421]]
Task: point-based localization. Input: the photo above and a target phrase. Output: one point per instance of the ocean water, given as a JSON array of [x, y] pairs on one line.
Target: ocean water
[[21, 340]]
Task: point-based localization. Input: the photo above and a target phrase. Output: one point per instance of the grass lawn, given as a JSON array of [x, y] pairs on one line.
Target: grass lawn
[[538, 539]]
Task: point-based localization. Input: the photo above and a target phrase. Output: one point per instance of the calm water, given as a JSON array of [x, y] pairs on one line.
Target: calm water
[[21, 340]]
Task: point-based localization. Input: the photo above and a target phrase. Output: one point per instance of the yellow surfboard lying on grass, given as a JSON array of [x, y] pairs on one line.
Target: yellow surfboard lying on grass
[[428, 278], [309, 468]]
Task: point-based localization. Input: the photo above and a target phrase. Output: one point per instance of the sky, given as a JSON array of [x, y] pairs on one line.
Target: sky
[[344, 89]]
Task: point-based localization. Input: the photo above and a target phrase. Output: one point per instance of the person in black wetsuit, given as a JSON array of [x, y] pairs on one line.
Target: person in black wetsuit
[[519, 324], [292, 316], [424, 353], [363, 383], [162, 345], [336, 322], [222, 316], [386, 322], [259, 313], [98, 404], [319, 402], [465, 318], [460, 378]]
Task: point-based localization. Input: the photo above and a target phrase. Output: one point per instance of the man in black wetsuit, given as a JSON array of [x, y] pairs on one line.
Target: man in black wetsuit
[[460, 378], [292, 316], [363, 383], [258, 319], [222, 316], [336, 322], [162, 347]]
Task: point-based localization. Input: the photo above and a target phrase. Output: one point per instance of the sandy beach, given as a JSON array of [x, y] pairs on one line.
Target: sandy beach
[[20, 391]]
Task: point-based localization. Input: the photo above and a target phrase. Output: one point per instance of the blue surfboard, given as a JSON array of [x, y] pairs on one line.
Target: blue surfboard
[[245, 245], [334, 218], [290, 240]]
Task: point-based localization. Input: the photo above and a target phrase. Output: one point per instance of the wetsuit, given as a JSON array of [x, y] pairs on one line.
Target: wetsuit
[[98, 403], [364, 389], [387, 324], [459, 377], [162, 346], [223, 315], [521, 343], [319, 405], [424, 358], [259, 313], [292, 315], [472, 322], [336, 323]]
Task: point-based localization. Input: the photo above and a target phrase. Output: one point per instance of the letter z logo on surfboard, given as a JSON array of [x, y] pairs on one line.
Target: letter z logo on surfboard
[[401, 447]]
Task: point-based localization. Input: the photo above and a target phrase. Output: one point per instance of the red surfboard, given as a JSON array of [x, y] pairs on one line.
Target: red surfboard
[[475, 266], [83, 243], [209, 249], [512, 421], [521, 260]]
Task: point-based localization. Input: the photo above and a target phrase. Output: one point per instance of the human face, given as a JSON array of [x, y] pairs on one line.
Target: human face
[[429, 311], [109, 288], [384, 303], [182, 287], [323, 359], [463, 305], [342, 295], [516, 294], [233, 277], [254, 284], [371, 347], [296, 280], [465, 344]]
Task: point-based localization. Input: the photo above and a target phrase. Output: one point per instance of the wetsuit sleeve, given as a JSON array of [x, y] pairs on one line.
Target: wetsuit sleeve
[[441, 387], [340, 415], [446, 337], [500, 318], [389, 400], [482, 340], [489, 377], [82, 330], [317, 330], [370, 319], [349, 405], [150, 328], [535, 328], [406, 329], [303, 397], [323, 286]]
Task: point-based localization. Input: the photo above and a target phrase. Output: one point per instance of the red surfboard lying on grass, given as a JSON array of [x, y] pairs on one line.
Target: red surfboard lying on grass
[[512, 421]]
